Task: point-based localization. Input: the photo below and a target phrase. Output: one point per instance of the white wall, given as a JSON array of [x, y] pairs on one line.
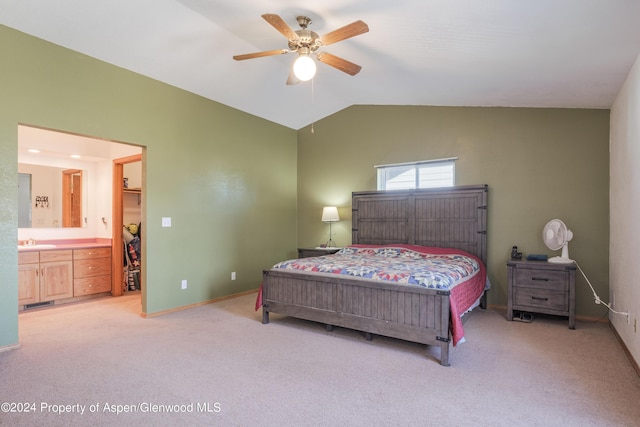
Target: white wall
[[624, 245]]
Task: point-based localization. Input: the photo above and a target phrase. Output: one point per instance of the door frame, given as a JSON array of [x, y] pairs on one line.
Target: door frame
[[117, 223], [70, 199]]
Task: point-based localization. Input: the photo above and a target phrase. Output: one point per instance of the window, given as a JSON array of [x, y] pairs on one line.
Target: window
[[425, 174]]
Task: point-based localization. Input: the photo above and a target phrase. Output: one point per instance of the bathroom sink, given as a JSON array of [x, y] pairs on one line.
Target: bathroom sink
[[36, 247]]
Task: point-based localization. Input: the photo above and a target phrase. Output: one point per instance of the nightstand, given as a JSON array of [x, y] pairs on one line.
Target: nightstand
[[542, 287], [311, 252]]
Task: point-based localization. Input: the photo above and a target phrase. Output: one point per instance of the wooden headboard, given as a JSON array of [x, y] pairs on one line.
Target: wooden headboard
[[453, 217]]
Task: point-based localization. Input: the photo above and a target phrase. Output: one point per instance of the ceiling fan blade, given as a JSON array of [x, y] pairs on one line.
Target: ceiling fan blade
[[354, 29], [260, 54], [339, 63], [279, 24], [292, 79]]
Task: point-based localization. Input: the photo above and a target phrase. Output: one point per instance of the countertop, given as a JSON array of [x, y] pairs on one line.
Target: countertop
[[57, 244]]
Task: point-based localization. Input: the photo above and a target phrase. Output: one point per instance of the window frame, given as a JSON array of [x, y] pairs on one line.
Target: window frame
[[416, 167]]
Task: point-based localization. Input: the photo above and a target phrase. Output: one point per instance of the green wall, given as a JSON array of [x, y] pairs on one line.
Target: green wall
[[236, 185], [227, 179], [539, 164]]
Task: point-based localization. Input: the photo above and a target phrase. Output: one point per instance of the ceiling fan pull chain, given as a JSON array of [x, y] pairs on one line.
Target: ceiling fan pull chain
[[312, 114]]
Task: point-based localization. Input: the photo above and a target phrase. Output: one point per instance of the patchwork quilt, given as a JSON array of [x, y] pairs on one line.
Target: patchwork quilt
[[419, 266]]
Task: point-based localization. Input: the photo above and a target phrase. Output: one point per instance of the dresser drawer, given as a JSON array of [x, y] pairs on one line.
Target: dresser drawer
[[541, 299], [541, 279], [91, 267], [91, 285]]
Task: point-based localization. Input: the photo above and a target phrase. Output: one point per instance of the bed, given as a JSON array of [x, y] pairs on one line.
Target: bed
[[453, 218]]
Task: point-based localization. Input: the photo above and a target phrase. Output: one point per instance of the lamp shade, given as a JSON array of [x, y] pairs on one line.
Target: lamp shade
[[330, 214], [304, 68]]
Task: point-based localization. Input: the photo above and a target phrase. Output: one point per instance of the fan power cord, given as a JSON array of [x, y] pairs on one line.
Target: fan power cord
[[597, 298]]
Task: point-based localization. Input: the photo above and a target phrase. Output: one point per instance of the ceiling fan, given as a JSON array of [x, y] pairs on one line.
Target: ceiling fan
[[306, 42]]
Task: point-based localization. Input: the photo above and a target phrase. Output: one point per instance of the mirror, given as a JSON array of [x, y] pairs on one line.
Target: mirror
[[51, 197]]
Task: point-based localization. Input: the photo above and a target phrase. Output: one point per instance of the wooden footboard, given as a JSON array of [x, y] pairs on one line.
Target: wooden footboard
[[405, 312]]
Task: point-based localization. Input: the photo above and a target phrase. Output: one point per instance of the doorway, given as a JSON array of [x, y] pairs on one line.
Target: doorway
[[87, 162], [117, 217], [72, 198]]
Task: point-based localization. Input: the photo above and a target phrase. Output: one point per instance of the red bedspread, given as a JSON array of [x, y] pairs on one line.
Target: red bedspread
[[463, 293]]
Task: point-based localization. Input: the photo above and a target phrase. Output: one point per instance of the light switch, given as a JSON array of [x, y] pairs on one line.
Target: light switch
[[166, 221]]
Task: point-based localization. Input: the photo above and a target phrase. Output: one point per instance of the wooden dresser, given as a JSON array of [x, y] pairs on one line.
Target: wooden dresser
[[542, 287]]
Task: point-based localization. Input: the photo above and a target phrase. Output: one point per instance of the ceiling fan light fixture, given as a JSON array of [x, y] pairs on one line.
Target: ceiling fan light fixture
[[304, 68], [305, 42]]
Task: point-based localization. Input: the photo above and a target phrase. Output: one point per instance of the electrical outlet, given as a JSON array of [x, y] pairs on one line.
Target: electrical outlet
[[184, 283], [233, 275]]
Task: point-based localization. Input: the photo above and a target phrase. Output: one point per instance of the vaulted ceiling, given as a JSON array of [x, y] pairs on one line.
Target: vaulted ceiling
[[542, 53]]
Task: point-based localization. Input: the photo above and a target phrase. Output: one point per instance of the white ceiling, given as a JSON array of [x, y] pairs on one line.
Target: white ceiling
[[55, 147], [524, 53]]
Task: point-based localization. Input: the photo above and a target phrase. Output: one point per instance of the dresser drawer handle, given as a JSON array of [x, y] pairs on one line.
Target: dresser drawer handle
[[544, 279], [540, 298]]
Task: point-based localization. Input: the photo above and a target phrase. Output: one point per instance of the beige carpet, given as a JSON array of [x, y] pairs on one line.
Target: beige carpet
[[218, 365]]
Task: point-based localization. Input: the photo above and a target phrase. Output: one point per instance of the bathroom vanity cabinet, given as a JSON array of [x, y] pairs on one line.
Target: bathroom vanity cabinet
[[63, 275], [45, 276]]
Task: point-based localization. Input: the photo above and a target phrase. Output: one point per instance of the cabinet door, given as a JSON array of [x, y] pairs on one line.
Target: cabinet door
[[56, 280], [28, 283]]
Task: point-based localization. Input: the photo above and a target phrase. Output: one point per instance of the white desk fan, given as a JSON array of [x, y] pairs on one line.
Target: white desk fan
[[556, 236]]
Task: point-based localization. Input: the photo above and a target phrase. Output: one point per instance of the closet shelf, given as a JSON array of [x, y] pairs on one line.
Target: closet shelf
[[137, 191]]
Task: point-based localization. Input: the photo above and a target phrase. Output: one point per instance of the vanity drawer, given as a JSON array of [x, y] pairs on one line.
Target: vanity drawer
[[541, 279], [28, 257], [54, 256], [91, 253], [91, 285], [91, 267]]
